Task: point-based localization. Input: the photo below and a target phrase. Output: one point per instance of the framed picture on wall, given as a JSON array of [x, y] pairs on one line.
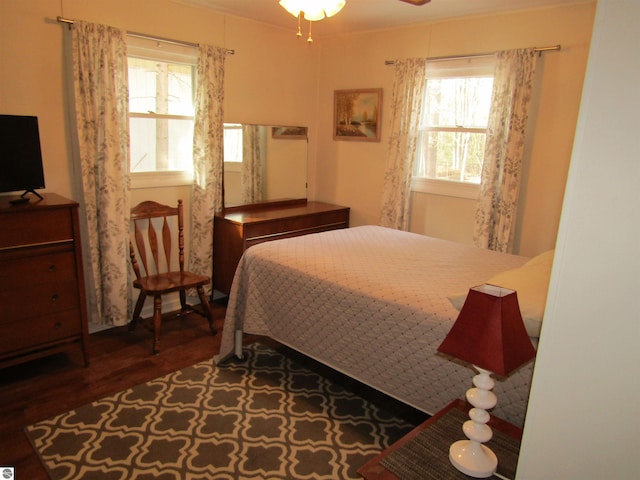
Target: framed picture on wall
[[295, 133], [357, 114]]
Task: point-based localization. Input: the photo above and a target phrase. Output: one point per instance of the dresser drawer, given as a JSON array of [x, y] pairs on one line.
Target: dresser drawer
[[36, 266], [40, 330], [35, 227], [294, 226], [44, 299]]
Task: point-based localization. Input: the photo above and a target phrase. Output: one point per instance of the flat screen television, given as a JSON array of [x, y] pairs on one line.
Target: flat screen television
[[20, 155]]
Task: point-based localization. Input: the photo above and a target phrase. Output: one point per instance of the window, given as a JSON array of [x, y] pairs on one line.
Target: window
[[453, 129], [233, 142], [233, 152], [161, 111]]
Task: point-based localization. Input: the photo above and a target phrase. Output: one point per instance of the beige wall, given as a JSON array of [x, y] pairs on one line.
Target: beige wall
[[270, 80], [582, 421], [274, 79], [357, 61]]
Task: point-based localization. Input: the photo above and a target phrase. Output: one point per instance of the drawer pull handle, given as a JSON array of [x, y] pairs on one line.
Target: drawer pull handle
[[58, 325], [52, 268], [54, 298]]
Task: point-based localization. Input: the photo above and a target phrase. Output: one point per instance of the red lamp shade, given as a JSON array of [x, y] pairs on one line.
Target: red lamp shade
[[489, 332]]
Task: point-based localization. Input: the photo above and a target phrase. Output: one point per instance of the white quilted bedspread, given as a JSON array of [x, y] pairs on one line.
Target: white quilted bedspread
[[371, 302]]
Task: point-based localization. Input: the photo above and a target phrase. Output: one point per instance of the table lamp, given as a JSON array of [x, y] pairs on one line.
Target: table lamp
[[489, 333]]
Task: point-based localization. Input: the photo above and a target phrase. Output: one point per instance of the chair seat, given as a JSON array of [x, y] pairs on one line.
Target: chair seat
[[170, 282]]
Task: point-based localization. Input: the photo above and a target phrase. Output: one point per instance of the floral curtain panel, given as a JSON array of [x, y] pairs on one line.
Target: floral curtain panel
[[101, 105], [253, 152], [208, 156], [501, 172], [406, 109]]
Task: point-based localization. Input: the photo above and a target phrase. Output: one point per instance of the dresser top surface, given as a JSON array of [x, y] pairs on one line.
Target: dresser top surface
[[266, 214], [49, 200]]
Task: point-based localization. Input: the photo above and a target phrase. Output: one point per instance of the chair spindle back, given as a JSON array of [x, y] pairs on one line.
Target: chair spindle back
[[159, 241]]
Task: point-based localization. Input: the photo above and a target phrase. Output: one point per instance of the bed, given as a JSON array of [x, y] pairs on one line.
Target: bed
[[373, 303]]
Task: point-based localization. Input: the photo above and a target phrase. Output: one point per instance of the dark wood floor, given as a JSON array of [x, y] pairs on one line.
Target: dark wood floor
[[119, 359]]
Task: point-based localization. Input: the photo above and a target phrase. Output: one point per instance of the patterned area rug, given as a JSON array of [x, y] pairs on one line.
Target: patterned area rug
[[264, 418]]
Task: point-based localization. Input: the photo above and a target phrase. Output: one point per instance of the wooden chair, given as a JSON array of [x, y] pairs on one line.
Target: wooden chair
[[158, 278]]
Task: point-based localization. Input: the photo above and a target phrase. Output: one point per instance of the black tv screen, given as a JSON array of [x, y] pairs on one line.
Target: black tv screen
[[20, 154]]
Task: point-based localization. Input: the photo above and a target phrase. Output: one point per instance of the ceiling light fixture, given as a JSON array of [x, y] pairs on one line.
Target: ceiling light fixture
[[312, 10]]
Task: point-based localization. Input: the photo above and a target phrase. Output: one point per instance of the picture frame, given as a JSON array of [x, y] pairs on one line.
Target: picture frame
[[292, 133], [357, 115]]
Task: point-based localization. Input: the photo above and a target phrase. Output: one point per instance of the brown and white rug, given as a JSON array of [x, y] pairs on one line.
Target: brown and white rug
[[267, 417]]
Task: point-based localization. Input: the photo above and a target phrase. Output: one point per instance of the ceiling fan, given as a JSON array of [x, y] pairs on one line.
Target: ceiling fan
[[314, 10], [416, 2]]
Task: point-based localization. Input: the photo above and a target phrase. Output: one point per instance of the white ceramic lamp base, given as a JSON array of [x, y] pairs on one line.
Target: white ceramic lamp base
[[470, 456], [473, 459]]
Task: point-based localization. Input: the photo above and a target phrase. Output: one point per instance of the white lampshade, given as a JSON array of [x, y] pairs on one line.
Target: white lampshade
[[314, 10]]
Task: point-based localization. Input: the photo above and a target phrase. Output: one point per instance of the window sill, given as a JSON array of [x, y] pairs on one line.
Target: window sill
[[445, 187], [160, 179]]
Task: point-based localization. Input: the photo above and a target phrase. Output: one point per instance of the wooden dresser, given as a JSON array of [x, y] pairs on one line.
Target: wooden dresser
[[42, 298], [236, 229]]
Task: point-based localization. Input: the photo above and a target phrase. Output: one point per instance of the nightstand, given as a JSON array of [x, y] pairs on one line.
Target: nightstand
[[424, 452]]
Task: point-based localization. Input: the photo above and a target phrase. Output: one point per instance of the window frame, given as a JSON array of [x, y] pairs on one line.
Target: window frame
[[169, 52], [451, 68]]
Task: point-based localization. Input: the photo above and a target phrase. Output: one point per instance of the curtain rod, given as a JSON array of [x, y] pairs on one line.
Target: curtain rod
[[477, 55], [150, 37]]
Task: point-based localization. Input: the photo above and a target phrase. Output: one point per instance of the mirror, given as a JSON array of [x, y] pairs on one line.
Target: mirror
[[263, 163]]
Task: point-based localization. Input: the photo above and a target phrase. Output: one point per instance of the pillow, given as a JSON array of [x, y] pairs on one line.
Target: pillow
[[531, 282]]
